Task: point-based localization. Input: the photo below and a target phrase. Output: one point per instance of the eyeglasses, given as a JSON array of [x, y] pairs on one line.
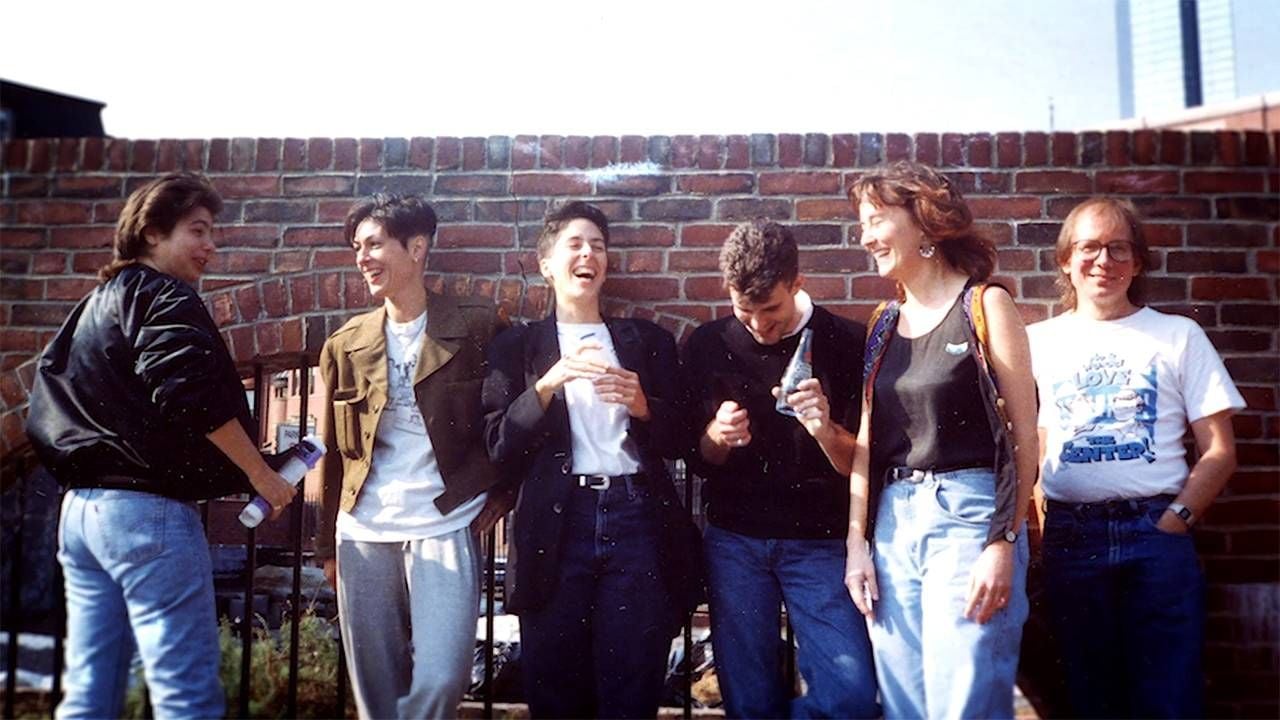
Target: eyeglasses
[[1118, 250]]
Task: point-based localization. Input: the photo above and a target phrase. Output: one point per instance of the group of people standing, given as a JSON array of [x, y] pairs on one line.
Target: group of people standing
[[885, 510]]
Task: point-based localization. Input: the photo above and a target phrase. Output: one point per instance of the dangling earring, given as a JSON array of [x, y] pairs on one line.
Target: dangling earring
[[927, 249]]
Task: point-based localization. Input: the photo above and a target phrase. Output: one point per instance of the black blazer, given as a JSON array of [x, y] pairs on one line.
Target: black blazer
[[533, 447]]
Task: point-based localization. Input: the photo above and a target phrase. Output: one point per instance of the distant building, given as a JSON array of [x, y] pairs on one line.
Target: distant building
[[1176, 54], [30, 112]]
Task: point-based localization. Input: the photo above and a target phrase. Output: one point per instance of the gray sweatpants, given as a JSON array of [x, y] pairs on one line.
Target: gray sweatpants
[[408, 612]]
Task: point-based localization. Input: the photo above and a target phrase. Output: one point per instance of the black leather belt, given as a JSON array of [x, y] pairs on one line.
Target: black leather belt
[[603, 482]]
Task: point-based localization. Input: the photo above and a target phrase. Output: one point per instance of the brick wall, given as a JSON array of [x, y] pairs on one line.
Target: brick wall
[[283, 278]]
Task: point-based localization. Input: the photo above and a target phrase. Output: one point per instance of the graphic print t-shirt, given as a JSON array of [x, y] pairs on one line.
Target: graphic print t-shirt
[[1116, 398]]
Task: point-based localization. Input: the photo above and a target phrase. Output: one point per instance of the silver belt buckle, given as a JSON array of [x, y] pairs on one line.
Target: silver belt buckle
[[595, 482]]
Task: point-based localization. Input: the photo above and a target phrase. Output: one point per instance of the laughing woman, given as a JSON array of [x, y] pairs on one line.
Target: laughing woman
[[939, 470], [1119, 386], [581, 409]]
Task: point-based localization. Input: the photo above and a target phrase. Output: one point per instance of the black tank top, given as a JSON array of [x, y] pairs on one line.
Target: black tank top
[[927, 408]]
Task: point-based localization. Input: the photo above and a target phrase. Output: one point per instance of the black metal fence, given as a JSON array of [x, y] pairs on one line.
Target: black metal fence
[[51, 618]]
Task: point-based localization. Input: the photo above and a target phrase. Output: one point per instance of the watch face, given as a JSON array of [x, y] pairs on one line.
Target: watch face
[[1184, 513], [1010, 536]]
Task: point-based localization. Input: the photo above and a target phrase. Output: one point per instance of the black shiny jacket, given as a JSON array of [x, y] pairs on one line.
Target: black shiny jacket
[[130, 386]]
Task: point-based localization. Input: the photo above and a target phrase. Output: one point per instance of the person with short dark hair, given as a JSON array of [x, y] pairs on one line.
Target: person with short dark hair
[[945, 456], [1119, 386], [406, 482], [582, 409], [139, 412], [777, 486]]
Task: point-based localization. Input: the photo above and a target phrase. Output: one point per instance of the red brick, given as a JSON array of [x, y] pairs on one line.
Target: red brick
[[694, 260], [604, 151], [1117, 147], [20, 288], [641, 236], [294, 154], [47, 263], [633, 185], [275, 300], [897, 146], [1223, 182], [703, 287], [710, 152], [549, 151], [1256, 151], [737, 152], [809, 210], [952, 149], [524, 152], [697, 235], [89, 262], [644, 261], [82, 237], [13, 238], [550, 184], [420, 150], [1269, 261], [790, 150], [684, 151], [844, 149], [1173, 147], [979, 147], [873, 287], [1229, 147], [475, 184], [68, 153], [248, 303], [1137, 182], [1009, 149], [467, 262], [312, 185], [1053, 181], [697, 313], [346, 154], [268, 154], [371, 154], [472, 153], [247, 186], [14, 340], [1230, 288], [633, 149], [41, 155], [329, 290], [53, 213], [302, 293], [357, 291], [1005, 207], [1173, 207], [319, 153], [1064, 149], [641, 288], [69, 288], [309, 236], [15, 156], [325, 259], [247, 235], [799, 183], [1035, 149], [222, 307], [462, 236], [736, 183], [577, 151], [29, 186], [167, 156], [142, 156]]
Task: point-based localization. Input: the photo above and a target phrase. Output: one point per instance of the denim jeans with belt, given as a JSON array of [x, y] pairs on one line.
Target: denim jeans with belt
[[137, 573], [931, 661], [598, 647], [1127, 608], [749, 578]]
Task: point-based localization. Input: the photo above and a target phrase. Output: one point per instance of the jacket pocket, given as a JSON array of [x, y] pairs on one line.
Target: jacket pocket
[[347, 408]]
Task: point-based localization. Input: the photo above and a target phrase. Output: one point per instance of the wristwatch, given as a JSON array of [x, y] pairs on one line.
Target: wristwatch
[[1183, 512], [1009, 536]]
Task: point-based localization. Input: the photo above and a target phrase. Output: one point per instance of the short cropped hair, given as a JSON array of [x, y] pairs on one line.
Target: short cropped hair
[[401, 216], [561, 215], [157, 206], [1119, 213], [937, 206], [757, 256]]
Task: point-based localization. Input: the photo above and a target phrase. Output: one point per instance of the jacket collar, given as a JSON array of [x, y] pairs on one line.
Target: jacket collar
[[368, 344], [627, 343]]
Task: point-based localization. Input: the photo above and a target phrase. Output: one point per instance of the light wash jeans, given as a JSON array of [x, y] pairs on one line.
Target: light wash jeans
[[930, 660], [137, 573], [749, 577]]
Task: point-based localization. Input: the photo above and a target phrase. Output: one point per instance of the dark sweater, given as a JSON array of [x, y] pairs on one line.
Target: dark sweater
[[781, 485]]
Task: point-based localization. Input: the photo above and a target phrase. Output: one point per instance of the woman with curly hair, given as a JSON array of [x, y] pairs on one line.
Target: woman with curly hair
[[945, 459]]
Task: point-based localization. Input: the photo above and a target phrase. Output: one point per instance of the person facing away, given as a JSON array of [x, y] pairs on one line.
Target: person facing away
[[776, 486], [406, 481], [139, 412], [1119, 386], [942, 477], [582, 410]]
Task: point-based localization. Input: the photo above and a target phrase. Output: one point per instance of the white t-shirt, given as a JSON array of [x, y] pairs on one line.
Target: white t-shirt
[[600, 442], [396, 502], [1116, 398]]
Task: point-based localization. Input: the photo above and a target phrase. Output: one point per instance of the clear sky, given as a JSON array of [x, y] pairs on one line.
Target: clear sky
[[483, 67]]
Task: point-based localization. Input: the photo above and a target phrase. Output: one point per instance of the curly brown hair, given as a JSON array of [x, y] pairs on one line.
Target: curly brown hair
[[757, 257], [936, 205]]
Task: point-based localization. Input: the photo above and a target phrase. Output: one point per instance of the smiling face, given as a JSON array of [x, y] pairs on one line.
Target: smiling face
[[186, 250], [575, 264], [389, 267], [892, 238], [1102, 282], [770, 319]]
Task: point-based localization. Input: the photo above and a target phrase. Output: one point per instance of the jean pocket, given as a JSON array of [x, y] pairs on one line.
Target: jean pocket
[[132, 529], [968, 498], [1151, 519]]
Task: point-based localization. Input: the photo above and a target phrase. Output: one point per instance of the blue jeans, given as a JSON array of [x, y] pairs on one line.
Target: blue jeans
[[598, 647], [931, 661], [749, 580], [1126, 603], [137, 574]]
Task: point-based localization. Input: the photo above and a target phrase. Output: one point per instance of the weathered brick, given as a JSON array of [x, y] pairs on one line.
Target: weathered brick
[[53, 212], [701, 235], [269, 153], [633, 184], [319, 153], [293, 156], [247, 186], [1221, 234], [790, 150], [477, 184], [1201, 261], [421, 150], [550, 184], [1019, 207], [675, 209], [468, 262], [730, 184], [370, 154], [799, 183], [1137, 182], [395, 153], [1035, 147], [659, 150], [1053, 181], [1264, 209], [473, 149], [633, 149], [748, 209], [402, 184], [809, 210], [319, 185], [524, 152], [844, 150], [815, 149], [313, 236], [737, 152], [577, 152], [978, 147], [762, 150], [280, 211], [641, 236], [243, 152], [1064, 149], [464, 236], [870, 146]]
